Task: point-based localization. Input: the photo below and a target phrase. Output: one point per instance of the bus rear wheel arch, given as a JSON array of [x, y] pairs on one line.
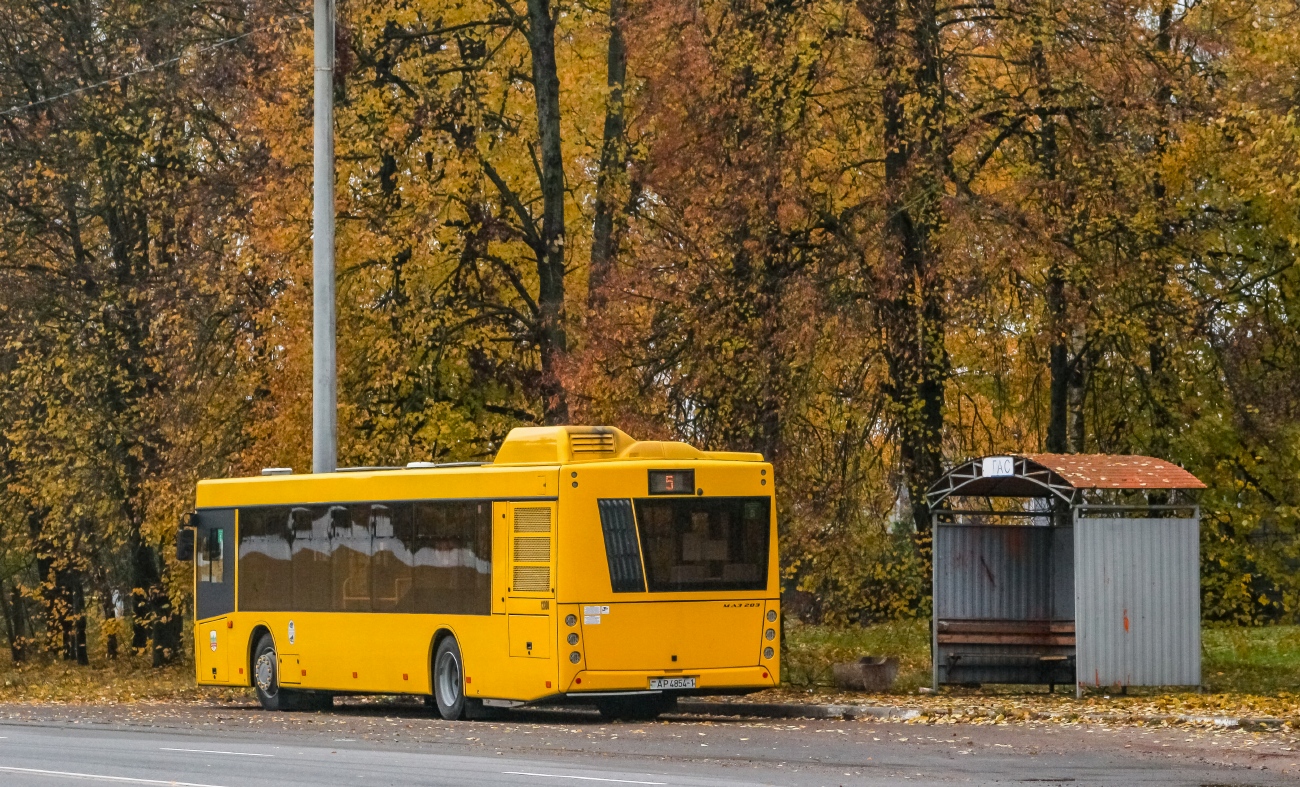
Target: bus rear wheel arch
[[265, 673]]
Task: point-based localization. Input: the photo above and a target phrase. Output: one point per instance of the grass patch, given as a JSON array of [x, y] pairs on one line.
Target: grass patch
[[811, 650], [1263, 660]]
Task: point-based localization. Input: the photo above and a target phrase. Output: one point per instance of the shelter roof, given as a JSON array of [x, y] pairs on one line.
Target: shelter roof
[[1063, 476], [1117, 471]]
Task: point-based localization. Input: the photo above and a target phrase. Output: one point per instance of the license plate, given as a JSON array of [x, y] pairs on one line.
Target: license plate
[[672, 683]]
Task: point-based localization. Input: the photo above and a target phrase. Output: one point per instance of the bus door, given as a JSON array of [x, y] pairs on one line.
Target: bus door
[[530, 588], [214, 590]]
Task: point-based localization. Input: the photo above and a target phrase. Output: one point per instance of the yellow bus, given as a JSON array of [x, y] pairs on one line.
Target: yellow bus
[[578, 566]]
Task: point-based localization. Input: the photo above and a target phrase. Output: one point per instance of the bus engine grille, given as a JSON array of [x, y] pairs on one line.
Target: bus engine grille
[[532, 579], [532, 520], [532, 549]]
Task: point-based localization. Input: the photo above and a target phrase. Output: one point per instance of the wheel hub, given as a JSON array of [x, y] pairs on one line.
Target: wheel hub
[[264, 673], [449, 679]]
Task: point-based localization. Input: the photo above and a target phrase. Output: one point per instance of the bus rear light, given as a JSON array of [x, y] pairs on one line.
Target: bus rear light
[[767, 653], [573, 638], [764, 674], [770, 634], [575, 657], [578, 681], [771, 616], [570, 620]]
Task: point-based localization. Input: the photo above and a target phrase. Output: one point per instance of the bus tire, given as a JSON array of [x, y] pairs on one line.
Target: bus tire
[[266, 675], [636, 708], [449, 680]]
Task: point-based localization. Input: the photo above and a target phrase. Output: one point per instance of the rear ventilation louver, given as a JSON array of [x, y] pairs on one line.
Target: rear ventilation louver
[[591, 443], [532, 553]]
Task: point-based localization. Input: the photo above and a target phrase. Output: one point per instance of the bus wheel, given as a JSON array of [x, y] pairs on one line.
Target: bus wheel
[[449, 680], [636, 708], [266, 675]]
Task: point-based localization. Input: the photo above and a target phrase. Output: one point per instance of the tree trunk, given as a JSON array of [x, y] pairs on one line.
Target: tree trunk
[[1080, 367], [1058, 364], [111, 623], [12, 607], [1161, 382], [613, 161], [551, 339], [913, 311], [78, 650], [155, 621]]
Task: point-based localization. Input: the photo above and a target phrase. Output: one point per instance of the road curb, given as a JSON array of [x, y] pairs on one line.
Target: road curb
[[795, 710]]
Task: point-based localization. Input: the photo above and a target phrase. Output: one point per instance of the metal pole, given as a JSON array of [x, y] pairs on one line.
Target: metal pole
[[324, 394]]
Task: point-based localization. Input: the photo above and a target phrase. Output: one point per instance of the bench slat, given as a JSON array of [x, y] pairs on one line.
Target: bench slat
[[1006, 627], [1054, 640]]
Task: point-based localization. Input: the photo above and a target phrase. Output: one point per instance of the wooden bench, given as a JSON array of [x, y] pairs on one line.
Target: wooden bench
[[1007, 632], [1007, 651]]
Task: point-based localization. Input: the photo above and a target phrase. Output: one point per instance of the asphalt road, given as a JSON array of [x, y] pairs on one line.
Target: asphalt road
[[397, 744]]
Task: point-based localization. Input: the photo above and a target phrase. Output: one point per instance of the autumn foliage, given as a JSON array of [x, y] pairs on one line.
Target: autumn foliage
[[867, 238]]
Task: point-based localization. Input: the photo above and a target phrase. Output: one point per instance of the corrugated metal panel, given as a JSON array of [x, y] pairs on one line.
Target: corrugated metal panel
[[1063, 573], [1137, 601], [1001, 572]]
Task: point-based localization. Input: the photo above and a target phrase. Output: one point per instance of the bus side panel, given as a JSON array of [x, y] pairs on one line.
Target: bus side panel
[[385, 653]]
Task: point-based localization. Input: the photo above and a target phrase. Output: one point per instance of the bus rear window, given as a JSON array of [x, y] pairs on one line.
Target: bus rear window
[[716, 543]]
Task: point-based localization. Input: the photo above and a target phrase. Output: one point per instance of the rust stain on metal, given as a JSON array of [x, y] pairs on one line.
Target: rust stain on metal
[[1126, 621]]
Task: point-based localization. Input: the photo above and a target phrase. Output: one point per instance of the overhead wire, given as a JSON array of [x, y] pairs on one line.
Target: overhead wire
[[146, 69]]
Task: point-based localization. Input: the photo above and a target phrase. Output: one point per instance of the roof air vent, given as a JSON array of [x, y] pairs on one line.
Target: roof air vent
[[592, 443], [277, 471]]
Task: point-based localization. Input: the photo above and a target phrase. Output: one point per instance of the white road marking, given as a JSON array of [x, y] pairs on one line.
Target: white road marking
[[95, 777], [210, 751], [582, 778]]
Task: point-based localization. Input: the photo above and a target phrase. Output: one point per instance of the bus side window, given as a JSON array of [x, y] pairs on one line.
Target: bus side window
[[452, 566], [390, 558], [265, 559], [312, 560], [350, 557]]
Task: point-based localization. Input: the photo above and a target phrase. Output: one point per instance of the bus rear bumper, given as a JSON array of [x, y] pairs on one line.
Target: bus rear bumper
[[707, 681]]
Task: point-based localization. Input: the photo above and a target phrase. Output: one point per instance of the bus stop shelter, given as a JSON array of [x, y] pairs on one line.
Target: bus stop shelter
[[1066, 568]]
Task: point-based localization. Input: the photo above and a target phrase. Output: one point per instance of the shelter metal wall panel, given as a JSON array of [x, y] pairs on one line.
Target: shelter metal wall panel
[[1002, 572], [1137, 600]]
